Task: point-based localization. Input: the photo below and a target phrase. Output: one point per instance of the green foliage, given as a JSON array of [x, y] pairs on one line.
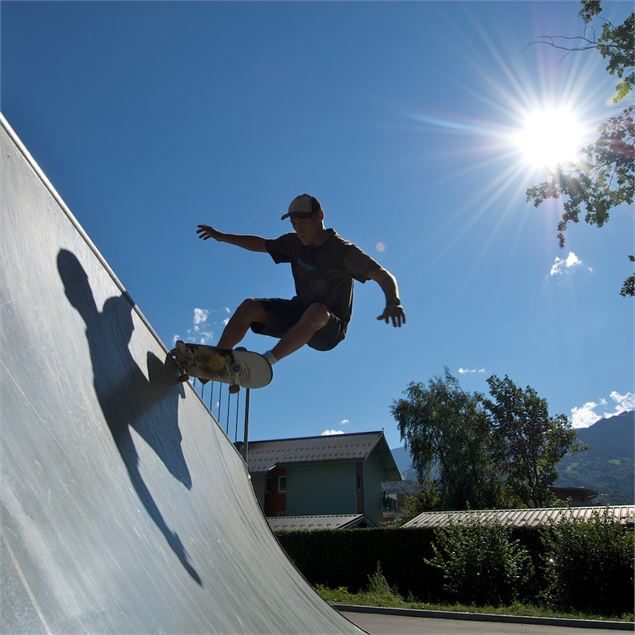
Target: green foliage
[[366, 598], [628, 288], [347, 561], [445, 426], [527, 444], [616, 44], [427, 499], [346, 558], [589, 9], [604, 178], [601, 181], [379, 588], [622, 88], [589, 565], [491, 453], [481, 564], [344, 596]]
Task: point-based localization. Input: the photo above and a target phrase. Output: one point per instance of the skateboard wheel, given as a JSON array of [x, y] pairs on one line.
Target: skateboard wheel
[[183, 378], [234, 388]]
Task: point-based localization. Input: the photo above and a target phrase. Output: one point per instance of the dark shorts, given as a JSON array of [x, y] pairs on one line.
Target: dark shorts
[[287, 313]]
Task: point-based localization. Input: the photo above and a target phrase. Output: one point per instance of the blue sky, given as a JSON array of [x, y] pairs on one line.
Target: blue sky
[[152, 117]]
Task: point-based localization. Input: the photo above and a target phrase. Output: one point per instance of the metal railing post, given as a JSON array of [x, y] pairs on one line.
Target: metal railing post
[[246, 432]]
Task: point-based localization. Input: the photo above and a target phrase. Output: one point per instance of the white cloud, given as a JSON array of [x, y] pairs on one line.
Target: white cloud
[[328, 433], [205, 325], [200, 331], [200, 316], [586, 415], [623, 403], [344, 422], [470, 371], [561, 265]]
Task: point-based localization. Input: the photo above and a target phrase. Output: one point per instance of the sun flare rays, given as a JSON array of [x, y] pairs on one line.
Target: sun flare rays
[[534, 112]]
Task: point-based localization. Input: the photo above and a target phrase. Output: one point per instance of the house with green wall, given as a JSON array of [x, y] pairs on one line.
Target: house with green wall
[[318, 476]]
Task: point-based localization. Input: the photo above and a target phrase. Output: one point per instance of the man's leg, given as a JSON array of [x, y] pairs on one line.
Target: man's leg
[[249, 311], [313, 319]]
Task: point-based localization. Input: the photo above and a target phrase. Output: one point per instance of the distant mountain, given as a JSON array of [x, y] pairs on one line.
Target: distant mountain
[[403, 459], [607, 466]]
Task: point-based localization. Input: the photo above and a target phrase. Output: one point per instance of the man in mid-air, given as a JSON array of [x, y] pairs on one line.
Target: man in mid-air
[[324, 266]]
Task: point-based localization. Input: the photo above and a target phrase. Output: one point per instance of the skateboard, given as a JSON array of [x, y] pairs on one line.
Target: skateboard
[[238, 367]]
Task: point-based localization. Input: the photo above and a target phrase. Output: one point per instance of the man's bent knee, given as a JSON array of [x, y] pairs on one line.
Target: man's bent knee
[[252, 310], [316, 315]]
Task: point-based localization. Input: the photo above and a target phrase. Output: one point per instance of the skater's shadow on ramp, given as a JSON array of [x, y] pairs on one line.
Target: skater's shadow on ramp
[[127, 398]]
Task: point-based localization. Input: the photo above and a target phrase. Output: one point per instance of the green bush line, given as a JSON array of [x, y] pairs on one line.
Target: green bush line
[[347, 559]]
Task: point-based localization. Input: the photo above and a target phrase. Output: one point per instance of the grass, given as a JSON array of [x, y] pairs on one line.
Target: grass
[[382, 595]]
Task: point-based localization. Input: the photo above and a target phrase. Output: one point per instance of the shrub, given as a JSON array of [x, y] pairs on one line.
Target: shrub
[[588, 565], [481, 564], [378, 585]]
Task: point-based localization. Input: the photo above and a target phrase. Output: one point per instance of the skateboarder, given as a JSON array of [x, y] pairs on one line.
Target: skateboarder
[[324, 266]]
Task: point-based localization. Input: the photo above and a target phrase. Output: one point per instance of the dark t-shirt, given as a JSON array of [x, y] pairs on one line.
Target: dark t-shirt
[[324, 274]]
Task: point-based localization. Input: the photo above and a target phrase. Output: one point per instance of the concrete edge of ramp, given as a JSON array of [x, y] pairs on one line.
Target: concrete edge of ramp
[[125, 508]]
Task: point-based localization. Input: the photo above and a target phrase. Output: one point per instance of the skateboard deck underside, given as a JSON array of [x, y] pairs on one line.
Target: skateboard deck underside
[[208, 363]]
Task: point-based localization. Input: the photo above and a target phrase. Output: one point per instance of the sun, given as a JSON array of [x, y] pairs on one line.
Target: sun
[[549, 137]]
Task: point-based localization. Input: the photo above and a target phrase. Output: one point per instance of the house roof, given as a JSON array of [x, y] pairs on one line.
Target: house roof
[[263, 456], [624, 514], [312, 523]]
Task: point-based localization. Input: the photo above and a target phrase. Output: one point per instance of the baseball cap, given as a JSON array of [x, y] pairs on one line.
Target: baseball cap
[[303, 205]]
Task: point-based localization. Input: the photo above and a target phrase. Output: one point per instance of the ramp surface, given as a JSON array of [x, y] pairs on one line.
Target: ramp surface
[[125, 508]]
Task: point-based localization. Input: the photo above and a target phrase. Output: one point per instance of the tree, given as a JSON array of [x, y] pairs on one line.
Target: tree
[[444, 426], [527, 444], [604, 178], [490, 452]]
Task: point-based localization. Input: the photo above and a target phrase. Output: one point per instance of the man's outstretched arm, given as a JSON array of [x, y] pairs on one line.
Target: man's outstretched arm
[[388, 283], [252, 243]]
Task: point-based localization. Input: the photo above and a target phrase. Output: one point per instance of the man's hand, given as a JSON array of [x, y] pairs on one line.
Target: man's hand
[[252, 243], [395, 313], [206, 232]]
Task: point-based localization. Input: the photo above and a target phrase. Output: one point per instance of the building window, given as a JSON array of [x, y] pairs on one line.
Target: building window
[[268, 484], [282, 484]]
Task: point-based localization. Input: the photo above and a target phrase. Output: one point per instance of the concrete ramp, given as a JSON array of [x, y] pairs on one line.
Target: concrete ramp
[[124, 509]]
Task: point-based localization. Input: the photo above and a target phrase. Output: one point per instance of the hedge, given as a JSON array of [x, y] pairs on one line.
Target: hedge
[[347, 558]]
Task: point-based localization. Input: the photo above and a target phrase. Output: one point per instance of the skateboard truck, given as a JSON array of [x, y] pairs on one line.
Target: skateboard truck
[[234, 373]]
